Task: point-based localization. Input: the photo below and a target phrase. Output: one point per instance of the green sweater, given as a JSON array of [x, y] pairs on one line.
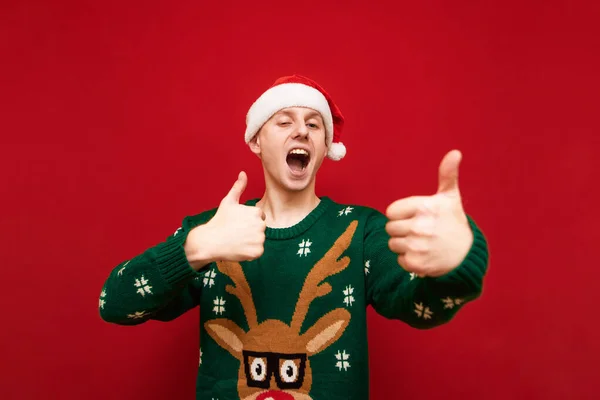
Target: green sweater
[[293, 323]]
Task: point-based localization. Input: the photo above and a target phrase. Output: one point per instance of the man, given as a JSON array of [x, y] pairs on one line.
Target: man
[[283, 282]]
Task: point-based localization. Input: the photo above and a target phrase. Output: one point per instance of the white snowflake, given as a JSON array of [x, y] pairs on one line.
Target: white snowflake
[[304, 247], [120, 272], [101, 301], [200, 358], [219, 307], [450, 302], [143, 286], [209, 278], [345, 211], [422, 311], [137, 315], [342, 360], [177, 231], [348, 298], [367, 267], [414, 275]]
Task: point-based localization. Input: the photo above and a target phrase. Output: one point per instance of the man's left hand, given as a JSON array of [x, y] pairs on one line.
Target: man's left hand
[[431, 234]]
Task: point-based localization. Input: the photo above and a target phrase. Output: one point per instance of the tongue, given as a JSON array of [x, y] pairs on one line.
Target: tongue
[[295, 164]]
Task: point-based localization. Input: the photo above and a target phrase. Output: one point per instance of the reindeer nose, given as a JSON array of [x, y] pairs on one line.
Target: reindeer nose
[[275, 395]]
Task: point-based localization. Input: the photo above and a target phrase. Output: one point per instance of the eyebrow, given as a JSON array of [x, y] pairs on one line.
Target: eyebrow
[[311, 114]]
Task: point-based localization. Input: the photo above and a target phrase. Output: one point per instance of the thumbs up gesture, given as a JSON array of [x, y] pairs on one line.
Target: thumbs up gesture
[[235, 233], [431, 234]]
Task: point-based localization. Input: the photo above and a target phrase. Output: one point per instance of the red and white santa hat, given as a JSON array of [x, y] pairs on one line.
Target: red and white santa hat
[[298, 91]]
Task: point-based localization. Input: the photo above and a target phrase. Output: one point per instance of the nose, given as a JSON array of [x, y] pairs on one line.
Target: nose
[[301, 132], [275, 395]]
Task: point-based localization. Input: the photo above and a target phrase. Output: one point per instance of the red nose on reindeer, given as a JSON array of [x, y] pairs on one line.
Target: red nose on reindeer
[[275, 395]]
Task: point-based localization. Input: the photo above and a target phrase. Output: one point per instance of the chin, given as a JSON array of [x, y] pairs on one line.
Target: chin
[[295, 186]]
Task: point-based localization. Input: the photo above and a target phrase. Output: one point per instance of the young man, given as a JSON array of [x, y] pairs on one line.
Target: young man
[[283, 282]]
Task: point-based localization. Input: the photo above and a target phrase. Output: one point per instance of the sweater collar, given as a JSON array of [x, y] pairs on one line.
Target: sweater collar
[[300, 227]]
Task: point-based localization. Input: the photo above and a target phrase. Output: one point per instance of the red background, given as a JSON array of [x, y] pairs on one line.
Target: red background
[[119, 119]]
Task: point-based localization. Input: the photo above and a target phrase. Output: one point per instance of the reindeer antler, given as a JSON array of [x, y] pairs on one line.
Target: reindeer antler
[[327, 266], [241, 290]]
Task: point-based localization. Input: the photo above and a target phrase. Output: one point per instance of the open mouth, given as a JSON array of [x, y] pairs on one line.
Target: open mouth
[[297, 160]]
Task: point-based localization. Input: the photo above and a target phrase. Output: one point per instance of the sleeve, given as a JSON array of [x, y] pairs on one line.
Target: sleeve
[[158, 284], [422, 303]]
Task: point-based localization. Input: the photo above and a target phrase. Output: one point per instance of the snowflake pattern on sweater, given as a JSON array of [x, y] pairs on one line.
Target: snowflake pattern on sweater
[[250, 309], [102, 300], [304, 247], [143, 286]]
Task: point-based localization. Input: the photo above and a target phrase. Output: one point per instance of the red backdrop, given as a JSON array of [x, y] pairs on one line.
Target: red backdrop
[[119, 119]]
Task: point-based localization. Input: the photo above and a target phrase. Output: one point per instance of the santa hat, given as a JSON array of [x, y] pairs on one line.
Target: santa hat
[[298, 91]]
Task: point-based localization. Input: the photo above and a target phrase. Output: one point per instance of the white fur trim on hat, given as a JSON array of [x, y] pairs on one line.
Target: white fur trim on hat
[[288, 95]]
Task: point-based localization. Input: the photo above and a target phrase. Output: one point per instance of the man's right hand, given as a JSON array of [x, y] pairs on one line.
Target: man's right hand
[[235, 233]]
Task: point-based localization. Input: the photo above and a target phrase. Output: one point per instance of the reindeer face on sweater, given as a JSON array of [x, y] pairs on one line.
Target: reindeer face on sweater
[[274, 357]]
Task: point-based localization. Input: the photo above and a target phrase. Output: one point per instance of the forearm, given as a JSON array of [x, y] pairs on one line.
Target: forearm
[[426, 302], [139, 288]]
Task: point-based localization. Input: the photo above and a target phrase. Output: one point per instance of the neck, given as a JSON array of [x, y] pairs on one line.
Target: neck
[[285, 208]]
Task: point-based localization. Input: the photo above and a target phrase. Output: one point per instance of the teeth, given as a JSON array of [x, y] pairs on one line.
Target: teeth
[[299, 151]]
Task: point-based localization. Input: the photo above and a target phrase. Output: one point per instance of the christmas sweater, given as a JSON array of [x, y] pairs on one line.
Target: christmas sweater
[[291, 324]]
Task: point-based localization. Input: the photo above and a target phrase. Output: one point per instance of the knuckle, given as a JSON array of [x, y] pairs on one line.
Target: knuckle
[[409, 260], [414, 230], [406, 263], [413, 262], [413, 246], [418, 246], [421, 226]]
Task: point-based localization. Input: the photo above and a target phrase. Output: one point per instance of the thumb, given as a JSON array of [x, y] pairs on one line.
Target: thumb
[[448, 172], [237, 189]]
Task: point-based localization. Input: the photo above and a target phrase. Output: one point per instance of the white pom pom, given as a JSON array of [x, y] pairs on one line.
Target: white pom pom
[[337, 151]]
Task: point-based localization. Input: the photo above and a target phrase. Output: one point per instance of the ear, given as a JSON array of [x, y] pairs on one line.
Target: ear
[[227, 334], [254, 145], [326, 331]]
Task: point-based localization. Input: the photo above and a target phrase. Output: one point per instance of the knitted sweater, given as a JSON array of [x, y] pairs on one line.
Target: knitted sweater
[[293, 323]]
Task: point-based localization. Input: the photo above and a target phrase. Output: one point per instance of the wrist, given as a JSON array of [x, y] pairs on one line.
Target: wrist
[[198, 249]]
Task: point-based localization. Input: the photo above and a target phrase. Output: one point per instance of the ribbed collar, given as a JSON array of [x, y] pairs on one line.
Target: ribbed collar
[[300, 227]]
